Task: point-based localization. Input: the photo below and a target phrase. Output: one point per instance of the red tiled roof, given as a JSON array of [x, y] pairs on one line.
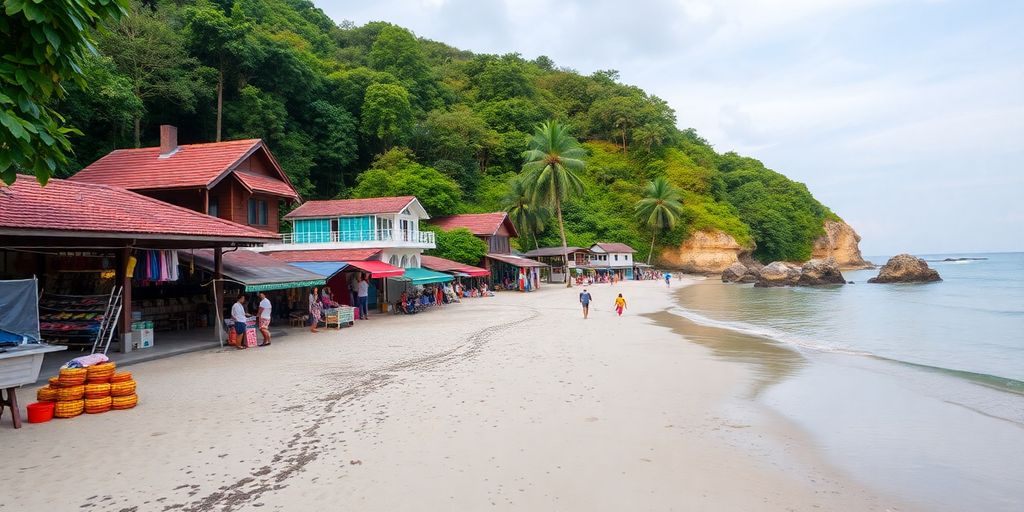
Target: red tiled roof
[[480, 224], [345, 255], [192, 165], [342, 207], [266, 184], [614, 247], [74, 207], [445, 265]]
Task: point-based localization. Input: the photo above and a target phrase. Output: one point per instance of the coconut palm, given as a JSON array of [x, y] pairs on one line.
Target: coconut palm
[[528, 217], [659, 209], [549, 172]]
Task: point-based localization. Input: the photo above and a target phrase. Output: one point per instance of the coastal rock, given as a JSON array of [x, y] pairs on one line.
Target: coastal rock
[[904, 268], [704, 252], [820, 272], [840, 242], [734, 273], [778, 273]]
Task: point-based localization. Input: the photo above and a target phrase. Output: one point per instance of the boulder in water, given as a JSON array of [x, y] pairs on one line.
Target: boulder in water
[[904, 268], [777, 273], [819, 272], [734, 273]]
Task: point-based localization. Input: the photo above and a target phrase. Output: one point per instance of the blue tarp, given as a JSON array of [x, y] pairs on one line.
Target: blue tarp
[[324, 268], [19, 308]]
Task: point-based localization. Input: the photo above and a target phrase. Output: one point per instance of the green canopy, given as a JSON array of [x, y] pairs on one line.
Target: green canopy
[[424, 276], [284, 286]]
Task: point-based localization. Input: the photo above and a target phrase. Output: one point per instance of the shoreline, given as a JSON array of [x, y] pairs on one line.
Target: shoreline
[[511, 402], [892, 425]]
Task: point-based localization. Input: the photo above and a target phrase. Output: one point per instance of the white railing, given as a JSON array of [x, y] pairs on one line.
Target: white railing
[[369, 235]]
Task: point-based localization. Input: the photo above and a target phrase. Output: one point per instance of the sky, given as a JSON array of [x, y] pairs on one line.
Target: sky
[[906, 117]]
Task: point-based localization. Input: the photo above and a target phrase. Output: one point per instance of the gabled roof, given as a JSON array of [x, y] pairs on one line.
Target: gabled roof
[[517, 261], [553, 251], [613, 247], [71, 207], [345, 255], [190, 166], [480, 224], [349, 207], [265, 184], [446, 265]]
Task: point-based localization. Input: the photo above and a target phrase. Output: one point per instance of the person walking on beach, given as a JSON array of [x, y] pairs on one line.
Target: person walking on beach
[[668, 279], [264, 317], [585, 299], [620, 304]]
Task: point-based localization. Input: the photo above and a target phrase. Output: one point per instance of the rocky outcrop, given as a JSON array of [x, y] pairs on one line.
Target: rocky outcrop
[[812, 273], [840, 242], [740, 273], [820, 272], [778, 273], [734, 273], [904, 268], [704, 252]]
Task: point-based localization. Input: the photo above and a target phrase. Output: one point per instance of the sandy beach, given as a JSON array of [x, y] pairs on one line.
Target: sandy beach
[[506, 403]]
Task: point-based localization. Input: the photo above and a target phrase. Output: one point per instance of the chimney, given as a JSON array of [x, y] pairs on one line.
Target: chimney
[[168, 140]]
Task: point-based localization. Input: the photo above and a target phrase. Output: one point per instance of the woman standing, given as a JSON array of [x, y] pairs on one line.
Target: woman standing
[[620, 304], [314, 309]]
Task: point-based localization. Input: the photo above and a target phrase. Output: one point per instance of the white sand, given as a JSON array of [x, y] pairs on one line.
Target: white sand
[[505, 403]]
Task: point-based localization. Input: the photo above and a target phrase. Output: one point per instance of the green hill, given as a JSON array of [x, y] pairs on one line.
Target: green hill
[[373, 109]]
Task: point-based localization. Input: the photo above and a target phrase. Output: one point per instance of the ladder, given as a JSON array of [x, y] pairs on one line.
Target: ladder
[[108, 326]]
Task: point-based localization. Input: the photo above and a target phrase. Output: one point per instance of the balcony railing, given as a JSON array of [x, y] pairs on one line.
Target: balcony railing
[[370, 235]]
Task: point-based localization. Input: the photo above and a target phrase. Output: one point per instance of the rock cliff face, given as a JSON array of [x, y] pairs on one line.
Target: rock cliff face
[[705, 252], [840, 243]]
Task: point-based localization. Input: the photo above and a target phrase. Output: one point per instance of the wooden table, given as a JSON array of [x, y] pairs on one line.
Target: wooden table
[[19, 366]]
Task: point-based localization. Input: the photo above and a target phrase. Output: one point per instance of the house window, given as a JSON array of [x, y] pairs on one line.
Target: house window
[[213, 207], [257, 212], [616, 257]]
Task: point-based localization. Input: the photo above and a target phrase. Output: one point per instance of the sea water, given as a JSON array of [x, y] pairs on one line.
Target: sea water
[[918, 388]]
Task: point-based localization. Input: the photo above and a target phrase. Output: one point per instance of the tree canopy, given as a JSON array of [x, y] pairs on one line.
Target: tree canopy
[[358, 111]]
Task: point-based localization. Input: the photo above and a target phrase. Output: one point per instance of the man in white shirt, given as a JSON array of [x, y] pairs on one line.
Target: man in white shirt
[[264, 317], [238, 315], [362, 296]]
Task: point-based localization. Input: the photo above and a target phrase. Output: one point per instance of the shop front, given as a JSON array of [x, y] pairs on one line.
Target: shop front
[[511, 272], [122, 249]]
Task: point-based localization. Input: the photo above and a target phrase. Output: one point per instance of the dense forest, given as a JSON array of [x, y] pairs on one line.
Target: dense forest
[[357, 111]]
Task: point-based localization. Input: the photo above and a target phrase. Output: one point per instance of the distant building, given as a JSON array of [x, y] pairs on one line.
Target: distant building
[[239, 180], [496, 229], [612, 257], [578, 257], [390, 226]]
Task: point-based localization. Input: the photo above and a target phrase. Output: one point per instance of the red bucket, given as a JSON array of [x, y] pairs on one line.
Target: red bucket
[[40, 412]]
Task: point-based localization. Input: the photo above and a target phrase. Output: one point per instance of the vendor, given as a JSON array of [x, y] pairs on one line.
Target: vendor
[[238, 315], [327, 299]]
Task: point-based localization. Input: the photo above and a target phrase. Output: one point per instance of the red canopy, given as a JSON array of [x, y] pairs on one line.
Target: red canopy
[[377, 268]]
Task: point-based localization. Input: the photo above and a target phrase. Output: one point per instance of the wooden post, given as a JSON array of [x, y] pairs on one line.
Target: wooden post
[[218, 292], [206, 201], [126, 300]]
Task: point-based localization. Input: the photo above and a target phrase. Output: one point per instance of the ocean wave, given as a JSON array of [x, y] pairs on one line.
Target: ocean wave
[[992, 381]]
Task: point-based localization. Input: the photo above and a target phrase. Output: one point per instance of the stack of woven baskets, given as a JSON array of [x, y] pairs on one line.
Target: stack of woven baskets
[[91, 390]]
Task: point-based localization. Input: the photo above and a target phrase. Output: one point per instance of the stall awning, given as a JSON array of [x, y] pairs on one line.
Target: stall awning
[[377, 268], [453, 267], [256, 272], [324, 268], [424, 276], [515, 260]]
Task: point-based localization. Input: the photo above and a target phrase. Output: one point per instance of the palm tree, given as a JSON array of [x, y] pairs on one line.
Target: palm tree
[[528, 217], [659, 209], [549, 172]]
